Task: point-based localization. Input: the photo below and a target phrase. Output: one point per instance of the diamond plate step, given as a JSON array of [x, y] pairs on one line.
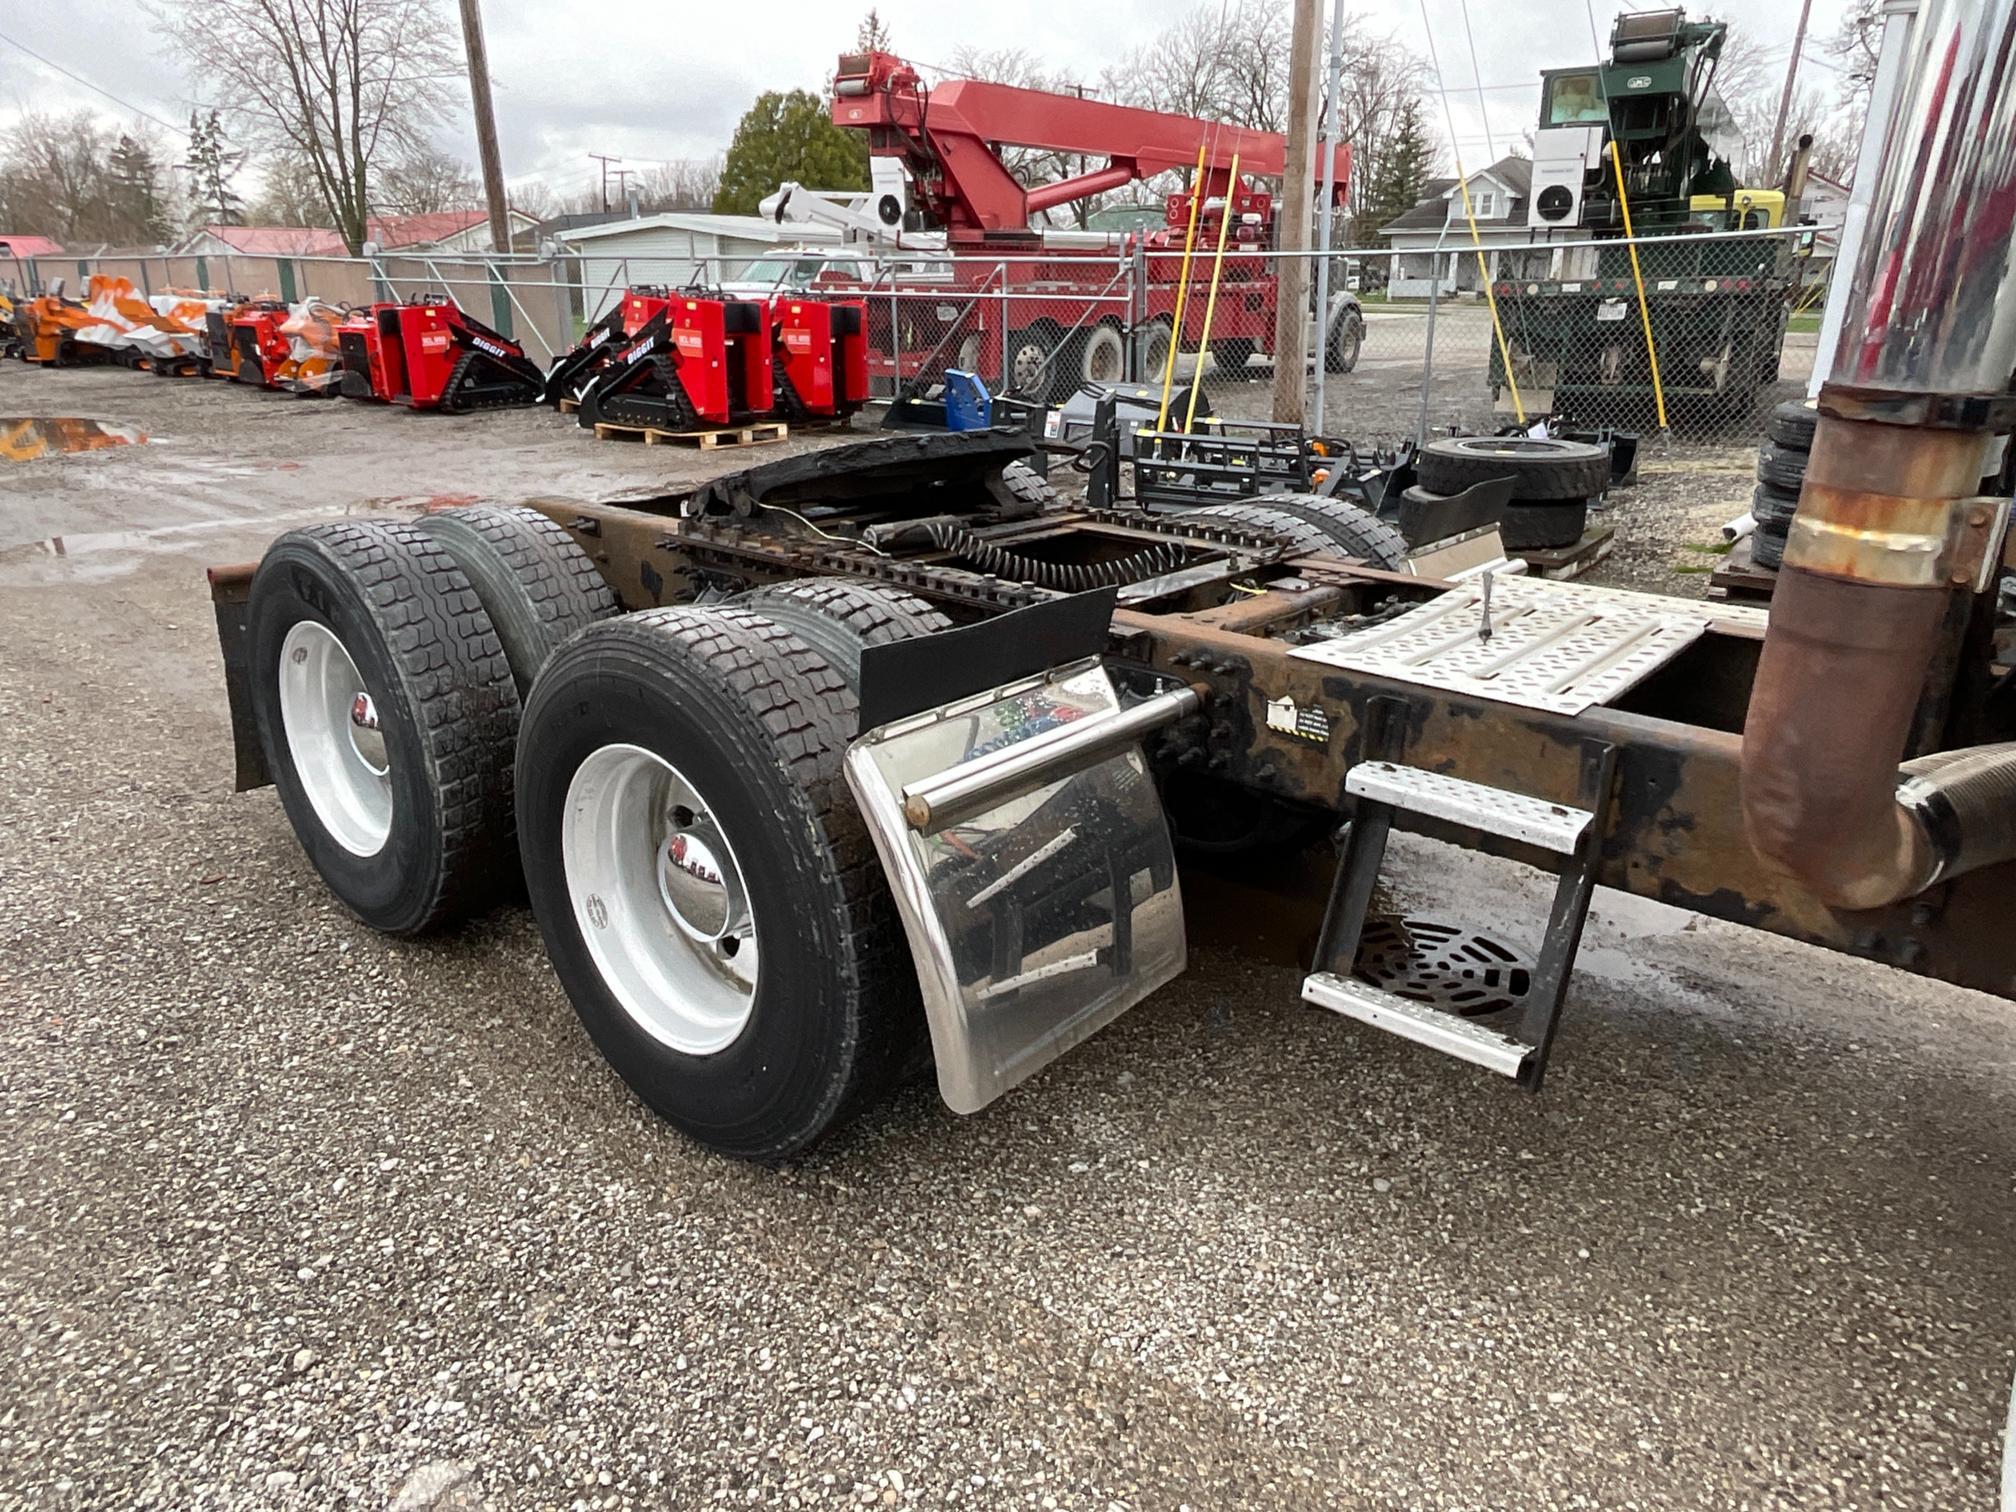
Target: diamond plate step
[[1496, 811], [1417, 1022]]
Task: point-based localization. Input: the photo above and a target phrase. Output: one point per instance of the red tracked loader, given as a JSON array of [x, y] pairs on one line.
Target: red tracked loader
[[428, 353], [689, 361], [679, 361]]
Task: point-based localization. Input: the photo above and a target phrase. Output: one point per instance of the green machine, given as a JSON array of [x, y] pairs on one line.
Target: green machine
[[1718, 303]]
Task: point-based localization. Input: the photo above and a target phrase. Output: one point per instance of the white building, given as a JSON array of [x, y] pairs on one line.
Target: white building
[[677, 247], [1431, 242]]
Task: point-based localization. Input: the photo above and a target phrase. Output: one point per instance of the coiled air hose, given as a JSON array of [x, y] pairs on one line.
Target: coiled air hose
[[1067, 577]]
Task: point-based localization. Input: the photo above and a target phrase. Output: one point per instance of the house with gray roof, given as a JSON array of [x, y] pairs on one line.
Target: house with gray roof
[[1431, 242]]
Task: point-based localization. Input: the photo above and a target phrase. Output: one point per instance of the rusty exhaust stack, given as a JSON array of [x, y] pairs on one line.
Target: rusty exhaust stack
[[1887, 526]]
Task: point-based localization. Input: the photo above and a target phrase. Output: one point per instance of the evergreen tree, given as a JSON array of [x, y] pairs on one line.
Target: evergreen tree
[[212, 162], [134, 194], [788, 136], [873, 35], [1400, 172]]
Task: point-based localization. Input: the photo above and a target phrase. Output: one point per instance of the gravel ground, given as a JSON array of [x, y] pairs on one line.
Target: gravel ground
[[301, 1217]]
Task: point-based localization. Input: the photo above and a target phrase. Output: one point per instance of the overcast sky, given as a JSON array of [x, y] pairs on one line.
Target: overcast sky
[[653, 82]]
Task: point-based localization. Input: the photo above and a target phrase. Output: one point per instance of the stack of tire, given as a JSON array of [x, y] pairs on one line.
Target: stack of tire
[[1781, 472], [1552, 483]]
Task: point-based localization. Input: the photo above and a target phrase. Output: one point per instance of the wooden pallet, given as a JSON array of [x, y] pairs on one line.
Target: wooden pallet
[[761, 434], [1566, 562], [1739, 580], [568, 406]]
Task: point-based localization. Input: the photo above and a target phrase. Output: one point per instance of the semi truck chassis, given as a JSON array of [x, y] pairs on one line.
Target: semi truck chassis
[[1593, 733]]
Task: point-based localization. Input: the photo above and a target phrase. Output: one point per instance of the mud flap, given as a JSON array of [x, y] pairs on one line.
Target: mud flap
[[1026, 846]]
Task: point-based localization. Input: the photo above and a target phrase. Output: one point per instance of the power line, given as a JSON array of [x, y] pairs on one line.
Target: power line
[[80, 79]]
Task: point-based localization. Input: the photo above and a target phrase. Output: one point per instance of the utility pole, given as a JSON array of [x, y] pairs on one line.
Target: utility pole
[[1333, 78], [605, 161], [1291, 220], [622, 198], [486, 125], [1785, 99]]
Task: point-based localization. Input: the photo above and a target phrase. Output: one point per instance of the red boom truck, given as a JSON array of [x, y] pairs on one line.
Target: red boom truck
[[1010, 302]]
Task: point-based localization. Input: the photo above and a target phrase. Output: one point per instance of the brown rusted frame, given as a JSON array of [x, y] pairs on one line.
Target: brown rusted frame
[[1676, 832]]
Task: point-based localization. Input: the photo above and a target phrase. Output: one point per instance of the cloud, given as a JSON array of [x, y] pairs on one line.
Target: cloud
[[652, 82]]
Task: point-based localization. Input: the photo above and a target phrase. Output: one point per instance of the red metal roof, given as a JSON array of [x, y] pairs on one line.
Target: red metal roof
[[28, 246]]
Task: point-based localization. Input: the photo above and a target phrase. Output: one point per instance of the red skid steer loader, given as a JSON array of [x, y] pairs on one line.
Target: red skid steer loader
[[429, 354]]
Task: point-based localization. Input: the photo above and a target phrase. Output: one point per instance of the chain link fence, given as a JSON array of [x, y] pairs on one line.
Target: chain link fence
[[1419, 338]]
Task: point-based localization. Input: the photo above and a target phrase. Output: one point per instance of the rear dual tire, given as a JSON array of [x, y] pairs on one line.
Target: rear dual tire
[[742, 724], [388, 664], [1314, 523], [386, 715]]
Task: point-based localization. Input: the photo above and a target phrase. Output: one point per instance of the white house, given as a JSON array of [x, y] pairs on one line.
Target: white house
[[1431, 242], [677, 247]]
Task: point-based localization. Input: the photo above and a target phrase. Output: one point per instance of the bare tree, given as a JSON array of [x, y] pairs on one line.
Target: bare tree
[[1382, 78], [1030, 165], [536, 198], [1253, 66], [686, 184], [52, 174], [1750, 80], [288, 194], [1183, 70], [426, 180], [1224, 64], [352, 86], [1857, 45]]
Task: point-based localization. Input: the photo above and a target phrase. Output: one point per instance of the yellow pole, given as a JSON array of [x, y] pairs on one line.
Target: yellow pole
[[1644, 310], [1211, 300], [1490, 294], [1182, 289]]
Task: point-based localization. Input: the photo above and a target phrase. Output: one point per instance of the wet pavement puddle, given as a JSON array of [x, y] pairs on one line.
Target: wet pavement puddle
[[27, 438]]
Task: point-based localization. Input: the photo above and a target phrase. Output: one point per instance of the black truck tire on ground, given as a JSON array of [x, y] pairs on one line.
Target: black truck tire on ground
[[537, 585], [1033, 365], [1543, 526], [1529, 526], [838, 617], [1098, 355], [1151, 348], [1230, 356], [754, 722], [1346, 341], [415, 834], [1781, 467], [1358, 532], [1773, 507], [1767, 550], [1542, 470], [1792, 423], [1302, 534]]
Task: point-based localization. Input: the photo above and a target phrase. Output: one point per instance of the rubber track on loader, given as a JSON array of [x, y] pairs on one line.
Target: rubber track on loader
[[460, 395], [669, 411]]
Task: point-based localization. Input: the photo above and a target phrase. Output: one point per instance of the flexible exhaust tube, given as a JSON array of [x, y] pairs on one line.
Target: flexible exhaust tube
[[1928, 343]]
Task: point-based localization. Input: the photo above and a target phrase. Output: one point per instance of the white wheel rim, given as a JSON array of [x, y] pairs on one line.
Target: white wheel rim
[[334, 739], [659, 899], [1027, 368], [1103, 357], [969, 355]]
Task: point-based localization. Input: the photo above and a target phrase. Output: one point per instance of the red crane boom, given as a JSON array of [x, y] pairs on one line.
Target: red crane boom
[[949, 136]]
